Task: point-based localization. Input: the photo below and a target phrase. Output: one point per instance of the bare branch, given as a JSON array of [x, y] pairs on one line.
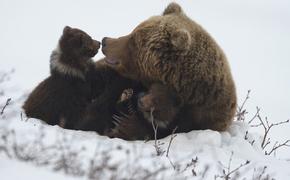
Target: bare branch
[[255, 115], [266, 140], [227, 172], [241, 112], [246, 138], [173, 135], [275, 147], [157, 144], [193, 164], [245, 100], [6, 104]]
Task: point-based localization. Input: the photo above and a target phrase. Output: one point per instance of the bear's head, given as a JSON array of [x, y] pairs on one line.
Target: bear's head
[[155, 42], [77, 44]]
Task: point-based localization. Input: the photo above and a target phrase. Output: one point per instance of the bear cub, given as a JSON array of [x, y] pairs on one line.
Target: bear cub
[[62, 97], [98, 115], [159, 104]]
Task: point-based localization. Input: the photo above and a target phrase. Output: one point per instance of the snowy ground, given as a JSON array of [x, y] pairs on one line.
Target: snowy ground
[[39, 151], [254, 36]]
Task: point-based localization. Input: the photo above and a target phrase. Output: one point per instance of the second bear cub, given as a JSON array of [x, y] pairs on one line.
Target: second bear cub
[[137, 111], [63, 96]]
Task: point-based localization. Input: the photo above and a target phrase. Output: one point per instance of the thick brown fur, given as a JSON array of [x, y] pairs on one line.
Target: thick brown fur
[[174, 50], [160, 103], [137, 112], [131, 127], [98, 114], [63, 96]]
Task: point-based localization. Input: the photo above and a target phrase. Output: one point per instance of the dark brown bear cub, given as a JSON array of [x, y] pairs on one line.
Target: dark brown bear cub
[[160, 105], [98, 114], [63, 96]]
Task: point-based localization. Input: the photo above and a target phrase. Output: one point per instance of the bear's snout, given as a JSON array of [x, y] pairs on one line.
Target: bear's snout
[[97, 44], [92, 50], [116, 50], [104, 43]]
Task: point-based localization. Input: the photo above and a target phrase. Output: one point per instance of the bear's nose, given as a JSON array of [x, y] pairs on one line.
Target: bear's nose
[[104, 41], [97, 44]]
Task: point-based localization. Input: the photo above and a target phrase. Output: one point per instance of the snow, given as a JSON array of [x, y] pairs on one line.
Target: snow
[[13, 169], [253, 34], [41, 147]]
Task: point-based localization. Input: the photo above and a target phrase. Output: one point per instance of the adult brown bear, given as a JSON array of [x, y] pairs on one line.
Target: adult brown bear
[[175, 51]]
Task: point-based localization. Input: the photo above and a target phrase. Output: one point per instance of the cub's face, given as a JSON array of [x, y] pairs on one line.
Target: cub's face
[[76, 43]]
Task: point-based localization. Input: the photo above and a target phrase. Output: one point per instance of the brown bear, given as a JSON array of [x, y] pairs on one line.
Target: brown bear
[[63, 96], [174, 50], [137, 111]]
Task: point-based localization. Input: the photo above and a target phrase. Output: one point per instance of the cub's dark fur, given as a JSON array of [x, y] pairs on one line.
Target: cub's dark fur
[[98, 114], [134, 120], [162, 101], [63, 96]]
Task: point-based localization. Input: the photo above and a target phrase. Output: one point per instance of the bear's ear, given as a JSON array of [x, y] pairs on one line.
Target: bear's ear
[[172, 8], [66, 29], [181, 39]]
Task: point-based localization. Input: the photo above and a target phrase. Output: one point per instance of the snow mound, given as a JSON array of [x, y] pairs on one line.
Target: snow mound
[[198, 154]]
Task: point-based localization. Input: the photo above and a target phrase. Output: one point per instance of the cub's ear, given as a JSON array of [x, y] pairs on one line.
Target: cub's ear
[[66, 29], [172, 8], [181, 39]]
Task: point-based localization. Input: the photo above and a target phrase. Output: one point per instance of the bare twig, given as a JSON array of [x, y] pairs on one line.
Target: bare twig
[[204, 172], [260, 174], [241, 112], [157, 144], [247, 97], [22, 117], [173, 135], [263, 172], [6, 104], [275, 147], [247, 138], [193, 164], [175, 166], [236, 169], [255, 115], [267, 127], [227, 172], [155, 127]]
